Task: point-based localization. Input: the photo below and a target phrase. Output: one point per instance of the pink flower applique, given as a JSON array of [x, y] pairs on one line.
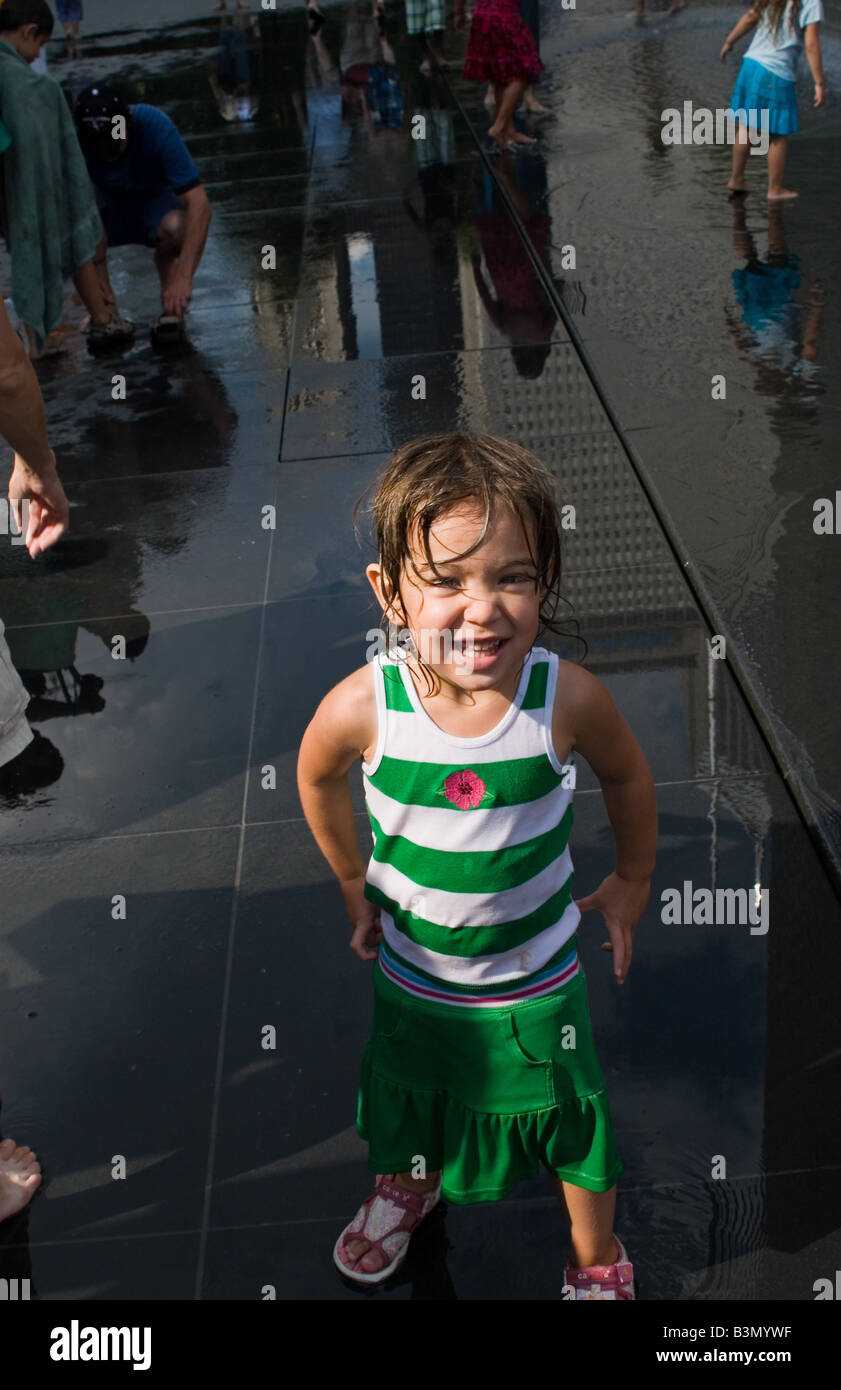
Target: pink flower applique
[[464, 789]]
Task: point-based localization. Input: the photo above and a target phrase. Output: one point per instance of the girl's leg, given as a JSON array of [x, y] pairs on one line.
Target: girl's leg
[[503, 130], [530, 100], [357, 1245], [591, 1216], [777, 151], [741, 150]]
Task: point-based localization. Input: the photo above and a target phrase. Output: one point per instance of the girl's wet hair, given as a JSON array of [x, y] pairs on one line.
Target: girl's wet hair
[[15, 13], [429, 477]]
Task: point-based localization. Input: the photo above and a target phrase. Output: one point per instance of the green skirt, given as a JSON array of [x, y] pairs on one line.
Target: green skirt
[[485, 1095]]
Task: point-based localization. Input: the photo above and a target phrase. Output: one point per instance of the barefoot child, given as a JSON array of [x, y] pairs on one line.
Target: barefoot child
[[767, 80], [501, 50], [481, 1060]]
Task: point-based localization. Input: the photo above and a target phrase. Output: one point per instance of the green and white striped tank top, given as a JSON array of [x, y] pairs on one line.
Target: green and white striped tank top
[[471, 867]]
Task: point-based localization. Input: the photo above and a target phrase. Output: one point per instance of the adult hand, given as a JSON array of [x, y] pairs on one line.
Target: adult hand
[[177, 295], [48, 510], [621, 902]]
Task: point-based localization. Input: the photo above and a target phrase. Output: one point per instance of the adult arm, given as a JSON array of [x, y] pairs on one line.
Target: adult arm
[[197, 215], [23, 424]]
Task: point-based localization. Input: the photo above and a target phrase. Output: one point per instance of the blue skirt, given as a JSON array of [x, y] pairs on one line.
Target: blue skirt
[[757, 89]]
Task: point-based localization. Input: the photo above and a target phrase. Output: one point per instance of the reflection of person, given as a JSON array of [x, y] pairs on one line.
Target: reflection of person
[[766, 81], [770, 330], [231, 82], [49, 215], [501, 50], [71, 14], [466, 905], [149, 192], [34, 481]]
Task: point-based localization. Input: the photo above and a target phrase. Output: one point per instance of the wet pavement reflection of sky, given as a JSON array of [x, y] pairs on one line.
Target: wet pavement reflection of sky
[[398, 259]]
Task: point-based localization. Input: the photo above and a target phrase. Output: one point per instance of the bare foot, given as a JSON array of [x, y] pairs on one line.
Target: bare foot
[[737, 187], [780, 193], [20, 1177], [518, 138], [535, 106]]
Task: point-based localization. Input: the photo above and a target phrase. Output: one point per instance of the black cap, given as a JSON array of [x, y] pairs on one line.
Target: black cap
[[94, 112], [97, 106]]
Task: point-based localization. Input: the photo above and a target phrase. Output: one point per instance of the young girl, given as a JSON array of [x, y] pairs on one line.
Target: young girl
[[481, 1062], [501, 50], [767, 80]]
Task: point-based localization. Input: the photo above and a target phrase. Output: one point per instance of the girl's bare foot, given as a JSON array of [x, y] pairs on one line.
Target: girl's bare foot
[[20, 1177], [780, 193], [533, 105], [518, 138], [737, 187]]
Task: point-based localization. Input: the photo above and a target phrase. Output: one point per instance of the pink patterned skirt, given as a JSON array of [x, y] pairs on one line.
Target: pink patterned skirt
[[500, 47]]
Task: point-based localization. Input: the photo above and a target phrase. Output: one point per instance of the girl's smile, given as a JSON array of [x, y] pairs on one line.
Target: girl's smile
[[473, 617]]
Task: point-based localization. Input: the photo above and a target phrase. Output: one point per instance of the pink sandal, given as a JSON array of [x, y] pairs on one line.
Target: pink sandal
[[381, 1220], [614, 1281]]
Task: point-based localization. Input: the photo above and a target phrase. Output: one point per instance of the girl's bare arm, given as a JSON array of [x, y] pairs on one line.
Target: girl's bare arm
[[812, 44], [746, 23], [343, 726]]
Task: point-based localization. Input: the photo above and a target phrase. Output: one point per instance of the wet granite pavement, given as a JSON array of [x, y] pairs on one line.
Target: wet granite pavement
[[397, 259]]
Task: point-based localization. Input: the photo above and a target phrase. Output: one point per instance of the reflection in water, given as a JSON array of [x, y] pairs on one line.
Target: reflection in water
[[231, 82], [776, 334]]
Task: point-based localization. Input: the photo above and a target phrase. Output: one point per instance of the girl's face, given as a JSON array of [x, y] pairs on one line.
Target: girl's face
[[475, 621]]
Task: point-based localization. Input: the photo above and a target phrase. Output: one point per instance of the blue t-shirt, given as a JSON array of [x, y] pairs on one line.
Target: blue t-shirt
[[780, 56], [156, 159]]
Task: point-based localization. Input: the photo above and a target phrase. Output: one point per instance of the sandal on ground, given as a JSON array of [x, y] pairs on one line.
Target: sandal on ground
[[614, 1282], [381, 1220], [111, 334]]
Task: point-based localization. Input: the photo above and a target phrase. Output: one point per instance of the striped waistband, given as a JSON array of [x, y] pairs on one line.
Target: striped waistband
[[552, 978]]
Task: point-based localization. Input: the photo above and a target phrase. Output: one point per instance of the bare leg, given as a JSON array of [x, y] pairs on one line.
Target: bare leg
[[490, 96], [777, 151], [503, 130], [530, 100], [358, 1245], [591, 1216], [168, 248], [741, 150]]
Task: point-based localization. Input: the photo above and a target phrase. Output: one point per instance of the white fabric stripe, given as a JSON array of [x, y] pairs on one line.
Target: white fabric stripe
[[527, 959], [524, 739], [448, 909], [447, 828]]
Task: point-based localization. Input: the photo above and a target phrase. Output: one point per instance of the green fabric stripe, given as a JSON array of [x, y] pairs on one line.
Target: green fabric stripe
[[535, 696], [396, 694], [472, 941], [510, 782], [475, 871]]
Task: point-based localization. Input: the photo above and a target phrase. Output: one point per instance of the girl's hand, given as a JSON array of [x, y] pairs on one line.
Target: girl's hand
[[725, 50], [365, 916], [621, 903], [820, 93]]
